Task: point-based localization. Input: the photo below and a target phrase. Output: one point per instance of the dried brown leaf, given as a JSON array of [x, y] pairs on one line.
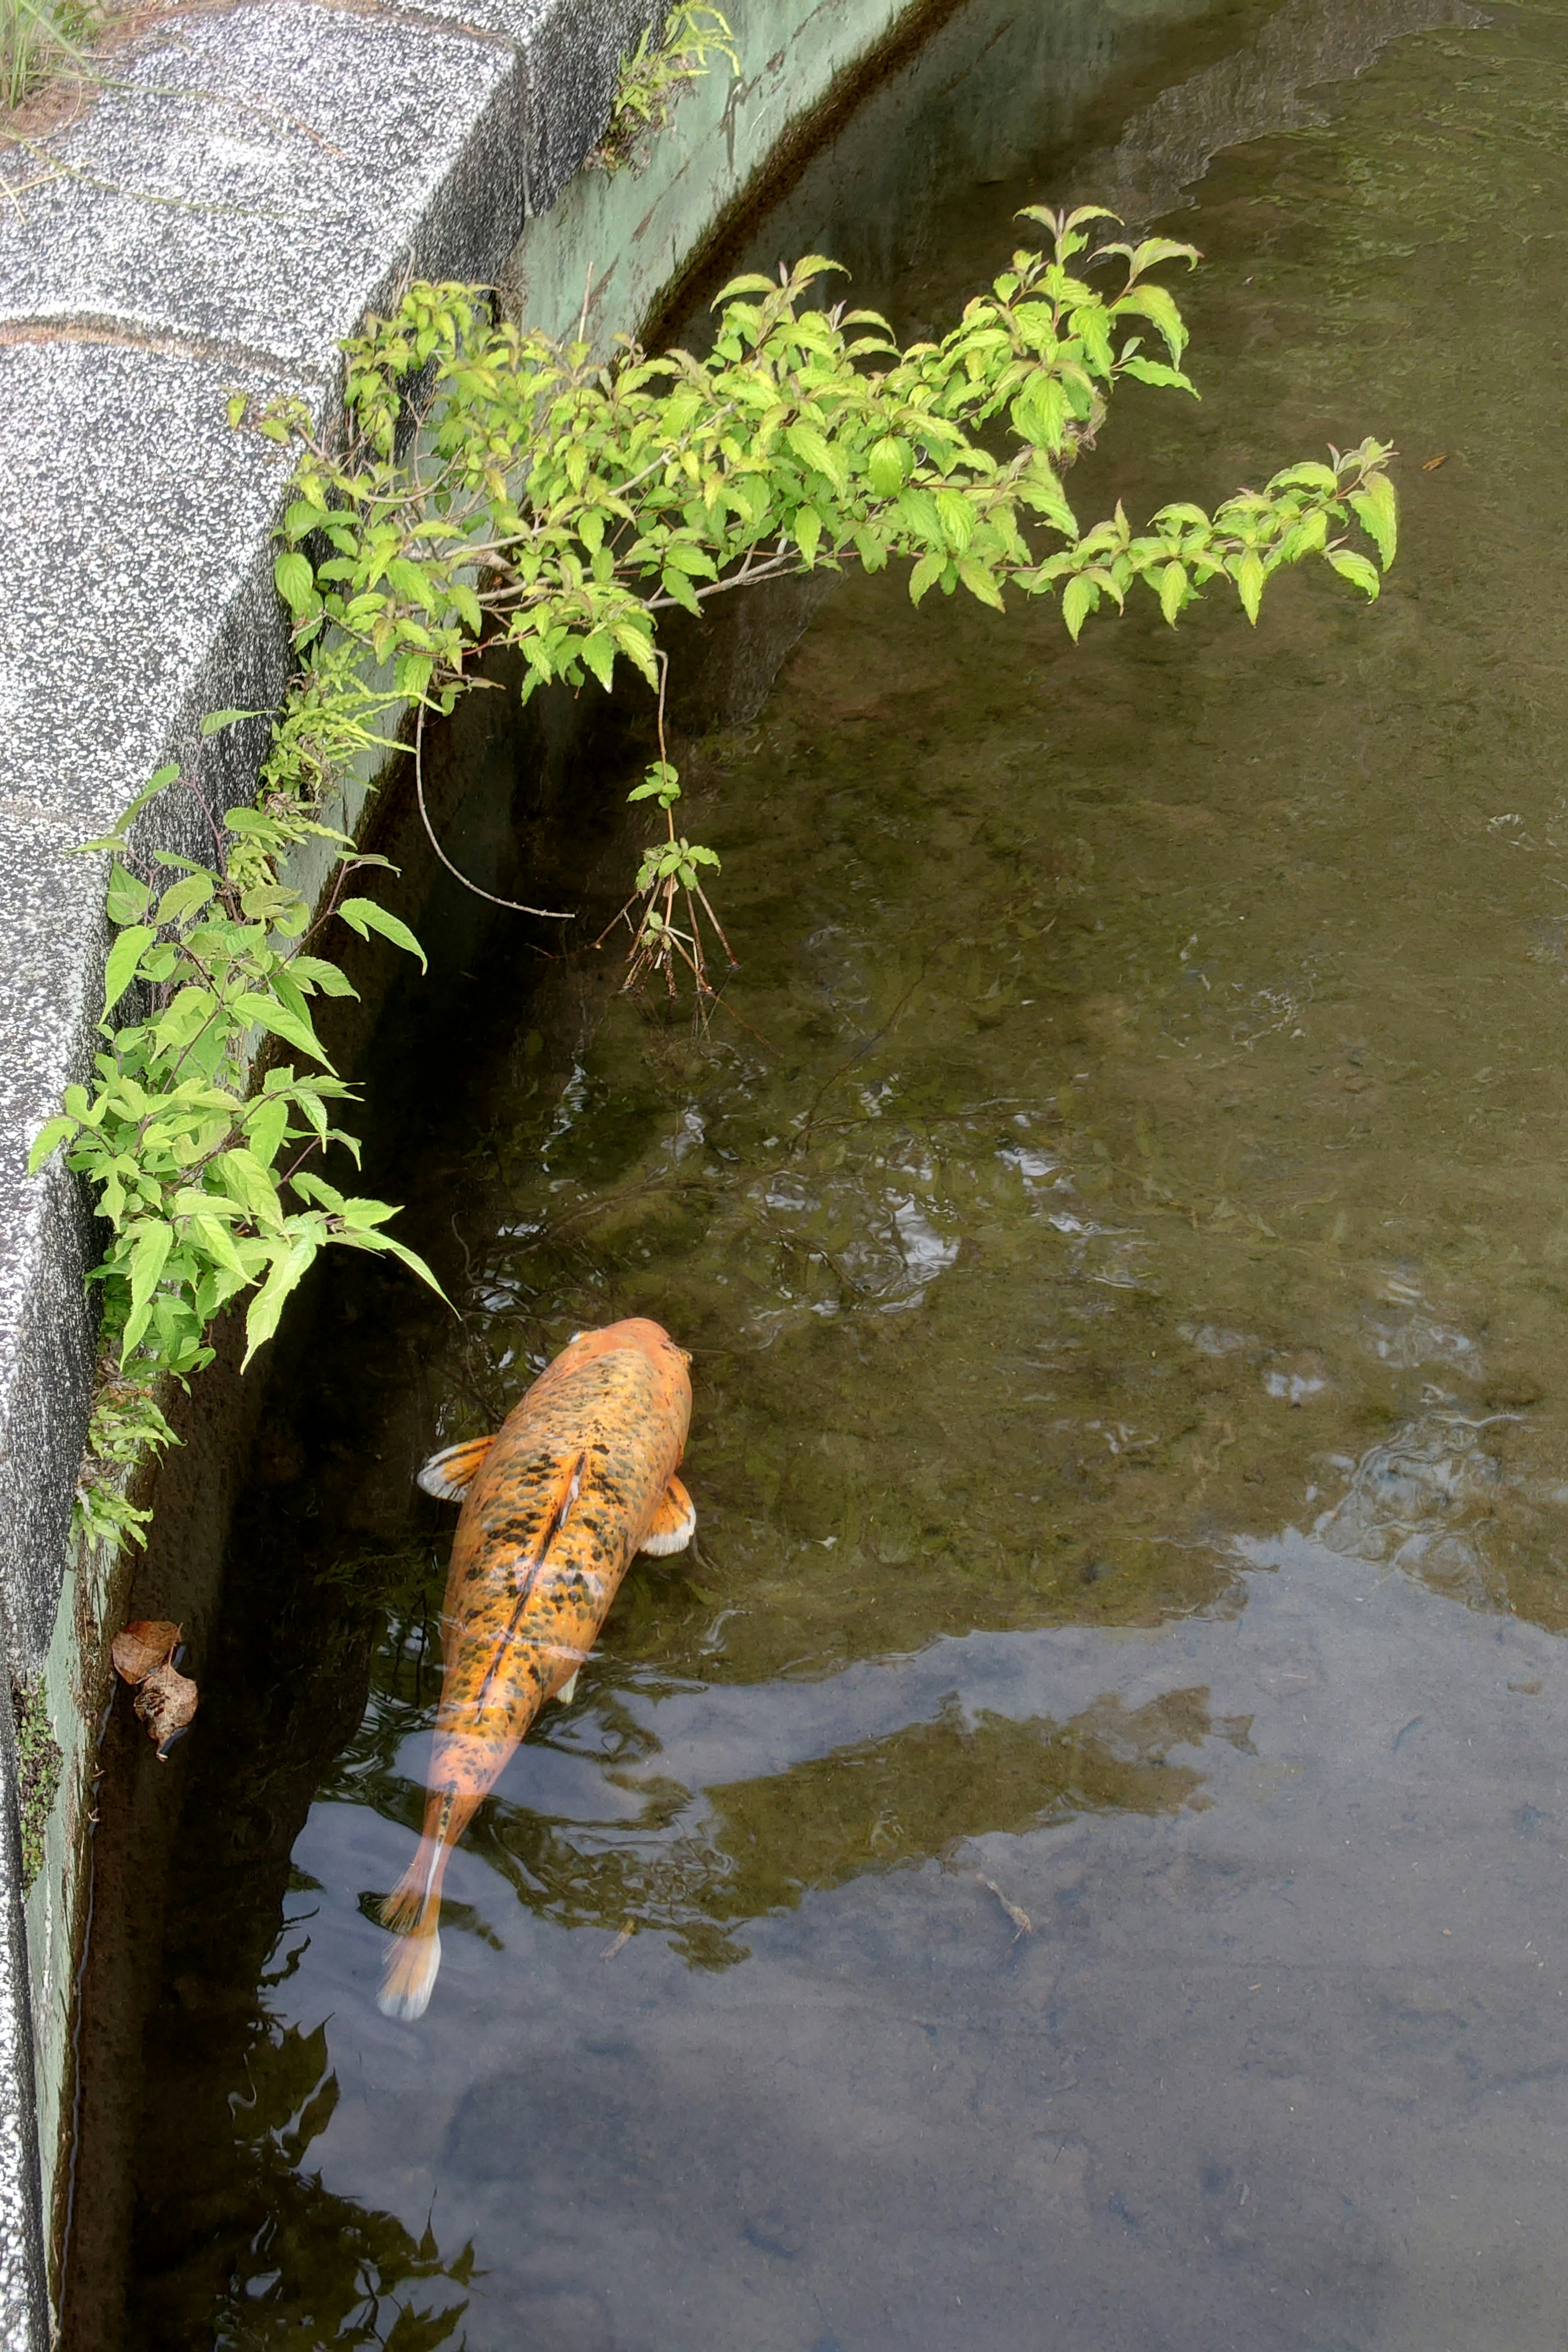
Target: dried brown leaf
[[147, 1643], [166, 1703]]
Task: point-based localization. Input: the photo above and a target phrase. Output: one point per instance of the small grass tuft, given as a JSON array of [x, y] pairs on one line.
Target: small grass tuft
[[653, 80], [43, 41]]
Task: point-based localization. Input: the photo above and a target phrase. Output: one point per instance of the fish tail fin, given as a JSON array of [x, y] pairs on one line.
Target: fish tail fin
[[409, 1976], [413, 1912]]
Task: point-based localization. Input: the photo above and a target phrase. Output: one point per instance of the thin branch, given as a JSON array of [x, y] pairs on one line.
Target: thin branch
[[513, 905]]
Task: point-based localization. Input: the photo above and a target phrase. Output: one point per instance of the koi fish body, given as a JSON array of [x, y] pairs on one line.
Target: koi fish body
[[579, 1478]]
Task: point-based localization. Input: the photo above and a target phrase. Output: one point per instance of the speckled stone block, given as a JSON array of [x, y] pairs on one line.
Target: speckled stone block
[[260, 178]]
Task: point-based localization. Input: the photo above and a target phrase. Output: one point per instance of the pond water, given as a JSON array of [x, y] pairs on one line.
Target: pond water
[[1075, 1854]]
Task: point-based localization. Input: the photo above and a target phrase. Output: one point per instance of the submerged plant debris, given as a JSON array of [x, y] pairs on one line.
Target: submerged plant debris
[[166, 1700]]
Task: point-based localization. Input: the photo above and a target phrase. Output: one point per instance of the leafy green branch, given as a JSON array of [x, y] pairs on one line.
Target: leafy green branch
[[204, 1182], [560, 503]]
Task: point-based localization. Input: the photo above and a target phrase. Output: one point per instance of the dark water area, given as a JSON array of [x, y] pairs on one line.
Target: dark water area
[[1075, 1853]]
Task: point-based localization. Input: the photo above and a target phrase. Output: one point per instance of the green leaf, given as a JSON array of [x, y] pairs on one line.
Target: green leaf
[[48, 1141], [246, 1181], [265, 1126], [599, 652], [808, 532], [296, 583], [1156, 372], [267, 1014], [957, 519], [812, 449], [1040, 413], [128, 898], [185, 898], [1173, 590], [887, 466], [1154, 303], [218, 1242], [1248, 574], [261, 1318], [216, 720], [123, 958], [1079, 598], [150, 1245], [927, 570], [1356, 570], [363, 916], [980, 583], [1377, 510]]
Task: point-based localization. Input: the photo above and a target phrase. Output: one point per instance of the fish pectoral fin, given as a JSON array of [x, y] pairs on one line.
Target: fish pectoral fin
[[448, 1475], [674, 1522], [568, 1690]]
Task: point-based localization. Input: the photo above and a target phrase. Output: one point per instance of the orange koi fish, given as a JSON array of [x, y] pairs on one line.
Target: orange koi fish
[[578, 1480]]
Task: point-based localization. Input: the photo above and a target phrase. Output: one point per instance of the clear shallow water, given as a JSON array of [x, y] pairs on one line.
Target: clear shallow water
[[1121, 1234]]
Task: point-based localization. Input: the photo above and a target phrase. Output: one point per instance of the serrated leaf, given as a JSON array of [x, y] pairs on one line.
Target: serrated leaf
[[265, 1126], [294, 581], [1357, 569], [150, 1243], [1247, 572], [48, 1141], [363, 916], [927, 570], [1079, 598], [1156, 372], [887, 465], [980, 583], [246, 1181], [1377, 510], [278, 1021], [599, 652], [262, 1316], [123, 958], [1173, 590], [218, 1242], [1154, 303]]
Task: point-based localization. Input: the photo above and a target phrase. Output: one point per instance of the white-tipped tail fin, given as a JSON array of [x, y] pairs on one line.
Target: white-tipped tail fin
[[674, 1522], [409, 1976], [413, 1912], [568, 1690]]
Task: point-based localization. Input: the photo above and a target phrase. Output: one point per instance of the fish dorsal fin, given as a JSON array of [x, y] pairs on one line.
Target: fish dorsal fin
[[447, 1475], [674, 1522]]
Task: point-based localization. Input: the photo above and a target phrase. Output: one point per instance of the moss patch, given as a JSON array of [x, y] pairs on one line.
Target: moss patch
[[38, 1763]]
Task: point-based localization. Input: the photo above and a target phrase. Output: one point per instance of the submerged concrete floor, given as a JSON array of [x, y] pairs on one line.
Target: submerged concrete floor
[[1283, 2065]]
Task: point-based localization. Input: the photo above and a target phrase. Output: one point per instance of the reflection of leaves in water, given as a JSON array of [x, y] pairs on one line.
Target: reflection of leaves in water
[[320, 2268], [758, 1846]]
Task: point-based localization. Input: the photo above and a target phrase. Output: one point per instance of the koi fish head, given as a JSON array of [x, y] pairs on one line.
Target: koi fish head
[[648, 1339]]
